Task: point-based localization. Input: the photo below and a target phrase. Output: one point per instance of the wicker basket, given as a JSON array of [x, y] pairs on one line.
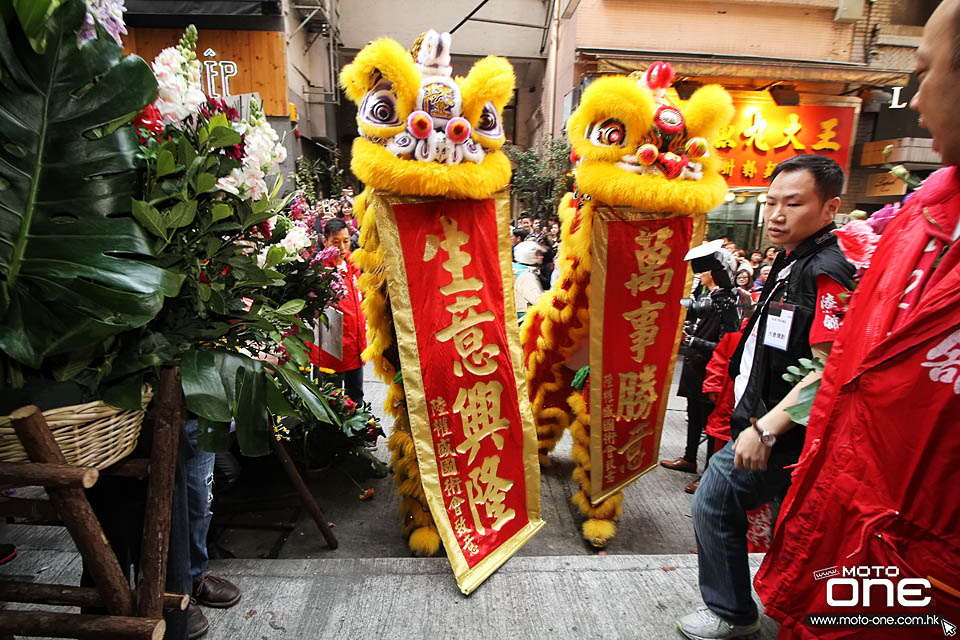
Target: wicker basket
[[93, 434]]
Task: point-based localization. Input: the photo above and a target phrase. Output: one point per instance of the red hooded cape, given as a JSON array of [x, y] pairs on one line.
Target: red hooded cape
[[878, 483]]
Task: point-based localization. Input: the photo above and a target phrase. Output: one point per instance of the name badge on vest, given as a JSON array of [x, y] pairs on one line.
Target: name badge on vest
[[779, 319]]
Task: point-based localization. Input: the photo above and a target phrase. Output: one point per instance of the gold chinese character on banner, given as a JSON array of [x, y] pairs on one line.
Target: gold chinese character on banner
[[634, 451], [653, 252], [754, 134], [470, 544], [468, 337], [725, 137], [444, 450], [768, 170], [644, 322], [728, 167], [448, 467], [479, 409], [826, 136], [486, 490], [637, 393], [441, 427], [455, 503], [749, 168], [457, 258], [460, 527], [439, 406], [452, 486], [790, 133]]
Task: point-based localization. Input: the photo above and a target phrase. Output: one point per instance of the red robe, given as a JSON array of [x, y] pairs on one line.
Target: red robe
[[877, 483], [354, 328]]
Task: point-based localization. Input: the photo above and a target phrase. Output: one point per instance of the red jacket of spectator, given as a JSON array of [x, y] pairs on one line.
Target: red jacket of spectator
[[718, 381], [354, 327]]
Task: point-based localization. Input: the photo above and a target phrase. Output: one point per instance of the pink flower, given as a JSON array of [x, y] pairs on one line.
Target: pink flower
[[858, 242], [879, 220]]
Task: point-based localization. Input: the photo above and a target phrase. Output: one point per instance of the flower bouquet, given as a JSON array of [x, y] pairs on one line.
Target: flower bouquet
[[137, 231]]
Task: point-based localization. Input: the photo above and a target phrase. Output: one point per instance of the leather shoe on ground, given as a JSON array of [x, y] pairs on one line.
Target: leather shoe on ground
[[197, 625], [680, 464], [692, 487], [214, 591]]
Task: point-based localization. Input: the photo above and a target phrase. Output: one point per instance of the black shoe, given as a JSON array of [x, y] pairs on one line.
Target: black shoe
[[214, 591], [7, 553], [197, 625]]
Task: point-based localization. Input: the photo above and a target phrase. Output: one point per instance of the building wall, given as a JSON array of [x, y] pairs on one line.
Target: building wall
[[403, 20], [775, 29]]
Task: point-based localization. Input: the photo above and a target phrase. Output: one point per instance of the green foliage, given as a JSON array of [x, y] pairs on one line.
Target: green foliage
[[317, 180], [70, 254], [800, 412], [540, 179]]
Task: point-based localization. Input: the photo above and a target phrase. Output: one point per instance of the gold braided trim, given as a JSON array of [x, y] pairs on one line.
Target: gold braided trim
[[610, 508], [561, 325]]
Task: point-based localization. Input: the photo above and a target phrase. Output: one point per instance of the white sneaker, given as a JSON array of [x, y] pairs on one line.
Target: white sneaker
[[704, 624]]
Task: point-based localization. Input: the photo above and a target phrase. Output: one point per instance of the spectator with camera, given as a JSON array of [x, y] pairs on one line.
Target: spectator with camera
[[795, 318], [700, 336]]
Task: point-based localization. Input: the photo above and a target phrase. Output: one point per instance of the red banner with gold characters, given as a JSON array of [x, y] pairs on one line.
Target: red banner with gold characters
[[638, 277], [450, 281], [762, 134]]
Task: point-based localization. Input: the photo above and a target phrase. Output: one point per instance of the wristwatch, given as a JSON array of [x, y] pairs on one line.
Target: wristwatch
[[768, 438]]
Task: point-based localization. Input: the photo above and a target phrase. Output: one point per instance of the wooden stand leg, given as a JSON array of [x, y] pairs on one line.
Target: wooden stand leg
[[57, 476], [168, 419], [305, 496], [77, 515], [70, 596], [73, 625]]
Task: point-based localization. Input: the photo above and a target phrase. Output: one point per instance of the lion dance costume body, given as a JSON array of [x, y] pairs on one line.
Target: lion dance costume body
[[634, 148], [422, 133]]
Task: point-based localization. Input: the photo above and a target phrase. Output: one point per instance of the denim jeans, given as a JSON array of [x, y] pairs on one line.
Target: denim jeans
[[719, 510], [199, 469]]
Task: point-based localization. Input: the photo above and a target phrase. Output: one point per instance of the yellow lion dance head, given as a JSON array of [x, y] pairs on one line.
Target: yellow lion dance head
[[636, 148], [423, 132]]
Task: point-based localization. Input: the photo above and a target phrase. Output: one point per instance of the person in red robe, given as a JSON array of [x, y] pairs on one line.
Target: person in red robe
[[875, 491], [349, 367]]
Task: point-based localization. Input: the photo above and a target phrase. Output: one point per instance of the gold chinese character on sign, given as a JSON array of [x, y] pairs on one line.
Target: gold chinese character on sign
[[754, 134], [479, 409], [728, 167], [790, 133], [470, 544], [457, 258], [768, 170], [749, 168], [460, 527], [826, 136], [634, 451], [725, 137], [653, 252], [645, 329], [637, 393], [448, 467], [486, 490], [468, 337]]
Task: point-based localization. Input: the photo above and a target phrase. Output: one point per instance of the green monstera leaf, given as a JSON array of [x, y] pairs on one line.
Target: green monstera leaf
[[72, 258]]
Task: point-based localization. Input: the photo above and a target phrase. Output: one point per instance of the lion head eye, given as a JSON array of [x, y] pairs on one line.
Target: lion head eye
[[489, 123], [379, 106], [609, 133]]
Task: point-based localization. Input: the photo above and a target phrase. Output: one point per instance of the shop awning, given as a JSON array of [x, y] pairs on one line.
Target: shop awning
[[748, 67]]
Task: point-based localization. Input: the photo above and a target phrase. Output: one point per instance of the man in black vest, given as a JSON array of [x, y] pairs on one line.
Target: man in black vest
[[797, 317]]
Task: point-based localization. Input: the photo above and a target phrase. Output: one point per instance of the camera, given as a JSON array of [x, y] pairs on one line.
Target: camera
[[724, 301]]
